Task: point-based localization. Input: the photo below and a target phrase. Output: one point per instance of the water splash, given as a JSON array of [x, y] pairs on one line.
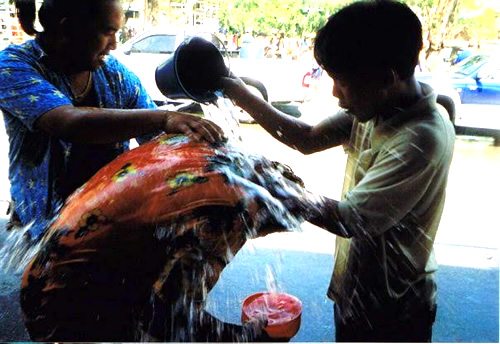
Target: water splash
[[250, 172], [271, 281], [16, 251], [223, 113], [268, 182]]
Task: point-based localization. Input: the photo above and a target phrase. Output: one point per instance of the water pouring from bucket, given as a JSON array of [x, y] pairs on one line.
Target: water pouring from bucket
[[194, 71]]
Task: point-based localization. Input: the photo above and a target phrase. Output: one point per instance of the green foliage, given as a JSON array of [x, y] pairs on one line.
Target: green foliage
[[292, 17], [480, 27], [474, 18], [299, 17]]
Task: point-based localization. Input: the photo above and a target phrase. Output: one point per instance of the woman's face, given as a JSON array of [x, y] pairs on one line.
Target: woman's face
[[91, 43]]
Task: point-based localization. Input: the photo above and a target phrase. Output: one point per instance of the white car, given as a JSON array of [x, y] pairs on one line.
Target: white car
[[143, 53], [277, 81]]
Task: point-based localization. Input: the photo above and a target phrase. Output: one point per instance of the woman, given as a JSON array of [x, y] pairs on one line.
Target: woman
[[70, 107]]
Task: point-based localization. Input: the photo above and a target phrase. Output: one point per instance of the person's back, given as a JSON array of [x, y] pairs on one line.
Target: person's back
[[138, 248]]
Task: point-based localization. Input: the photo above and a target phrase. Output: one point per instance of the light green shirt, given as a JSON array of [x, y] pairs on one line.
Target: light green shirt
[[394, 192]]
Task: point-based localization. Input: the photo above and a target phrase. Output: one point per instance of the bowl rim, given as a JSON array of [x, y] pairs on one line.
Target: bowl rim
[[247, 300]]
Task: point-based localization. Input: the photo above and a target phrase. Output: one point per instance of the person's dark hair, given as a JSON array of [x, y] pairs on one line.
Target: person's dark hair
[[369, 37], [26, 12], [53, 11]]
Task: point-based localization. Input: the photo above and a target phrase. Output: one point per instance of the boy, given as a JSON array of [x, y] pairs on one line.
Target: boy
[[400, 149]]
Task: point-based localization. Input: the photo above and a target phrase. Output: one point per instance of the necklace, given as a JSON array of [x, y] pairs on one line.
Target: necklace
[[78, 97]]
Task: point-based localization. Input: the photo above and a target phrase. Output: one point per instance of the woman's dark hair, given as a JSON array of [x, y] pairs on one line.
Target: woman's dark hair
[[370, 36], [52, 11], [26, 12]]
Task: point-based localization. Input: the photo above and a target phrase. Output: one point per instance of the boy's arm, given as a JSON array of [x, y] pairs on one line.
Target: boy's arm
[[305, 138], [320, 211]]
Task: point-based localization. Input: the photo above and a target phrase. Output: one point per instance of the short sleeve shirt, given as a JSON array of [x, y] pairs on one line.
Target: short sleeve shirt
[[394, 192], [43, 169]]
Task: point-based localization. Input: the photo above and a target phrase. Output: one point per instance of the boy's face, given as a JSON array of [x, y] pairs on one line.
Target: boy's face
[[360, 96]]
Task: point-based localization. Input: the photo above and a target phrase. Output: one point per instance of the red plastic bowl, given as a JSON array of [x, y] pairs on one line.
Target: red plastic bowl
[[283, 312]]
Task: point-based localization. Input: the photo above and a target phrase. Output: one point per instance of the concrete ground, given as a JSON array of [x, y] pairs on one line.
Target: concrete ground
[[467, 296], [300, 263]]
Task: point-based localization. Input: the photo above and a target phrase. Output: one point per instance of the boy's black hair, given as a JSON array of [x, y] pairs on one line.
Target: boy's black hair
[[369, 37]]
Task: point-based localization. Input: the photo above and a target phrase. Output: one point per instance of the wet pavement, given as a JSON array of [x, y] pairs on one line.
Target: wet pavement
[[300, 263]]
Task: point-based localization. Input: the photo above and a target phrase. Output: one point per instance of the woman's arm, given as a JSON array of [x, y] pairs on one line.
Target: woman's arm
[[98, 125]]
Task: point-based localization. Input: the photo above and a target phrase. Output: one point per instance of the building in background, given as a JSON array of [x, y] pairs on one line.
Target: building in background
[[140, 15], [143, 15], [10, 29]]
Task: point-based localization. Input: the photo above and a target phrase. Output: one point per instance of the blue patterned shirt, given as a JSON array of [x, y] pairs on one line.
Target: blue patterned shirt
[[43, 169]]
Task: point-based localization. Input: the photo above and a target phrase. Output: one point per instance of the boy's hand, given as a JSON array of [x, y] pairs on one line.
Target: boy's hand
[[307, 206], [234, 87]]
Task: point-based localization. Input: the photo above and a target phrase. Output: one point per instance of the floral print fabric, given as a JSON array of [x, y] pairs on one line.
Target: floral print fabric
[[146, 239]]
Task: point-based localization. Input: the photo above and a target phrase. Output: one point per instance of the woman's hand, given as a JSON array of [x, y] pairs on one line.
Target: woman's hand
[[197, 127]]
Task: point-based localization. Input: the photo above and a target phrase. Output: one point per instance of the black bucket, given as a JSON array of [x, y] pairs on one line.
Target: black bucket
[[194, 71]]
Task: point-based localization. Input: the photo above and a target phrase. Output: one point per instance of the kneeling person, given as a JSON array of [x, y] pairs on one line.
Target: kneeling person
[[135, 251]]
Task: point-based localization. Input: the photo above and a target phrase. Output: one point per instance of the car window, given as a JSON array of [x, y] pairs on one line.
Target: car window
[[155, 44], [489, 72], [469, 65]]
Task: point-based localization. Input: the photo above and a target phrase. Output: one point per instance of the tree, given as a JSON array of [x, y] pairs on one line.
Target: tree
[[437, 17], [295, 18], [151, 9], [441, 19], [476, 22], [292, 17]]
